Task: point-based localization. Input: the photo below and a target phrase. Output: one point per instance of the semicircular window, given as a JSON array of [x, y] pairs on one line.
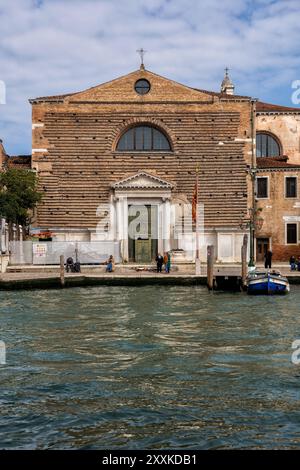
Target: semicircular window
[[143, 139], [266, 145]]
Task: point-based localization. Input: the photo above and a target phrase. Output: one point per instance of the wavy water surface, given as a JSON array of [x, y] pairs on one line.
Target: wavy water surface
[[148, 367]]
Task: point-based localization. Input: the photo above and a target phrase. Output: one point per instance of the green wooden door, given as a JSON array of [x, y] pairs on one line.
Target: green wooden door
[[143, 251]]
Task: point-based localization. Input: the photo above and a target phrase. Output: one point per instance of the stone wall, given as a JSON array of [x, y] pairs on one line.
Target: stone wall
[[278, 210], [286, 127]]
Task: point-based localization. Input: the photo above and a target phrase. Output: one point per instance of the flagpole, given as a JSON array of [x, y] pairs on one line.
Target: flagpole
[[197, 260]]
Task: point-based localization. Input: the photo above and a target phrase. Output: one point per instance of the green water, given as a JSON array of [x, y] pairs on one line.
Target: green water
[[149, 367]]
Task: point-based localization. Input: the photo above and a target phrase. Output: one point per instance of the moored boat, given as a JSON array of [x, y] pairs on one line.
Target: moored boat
[[267, 283]]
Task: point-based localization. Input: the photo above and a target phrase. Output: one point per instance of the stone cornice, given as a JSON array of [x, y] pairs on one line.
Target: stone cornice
[[263, 170]]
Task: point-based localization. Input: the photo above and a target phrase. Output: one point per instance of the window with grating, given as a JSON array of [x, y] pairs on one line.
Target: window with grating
[[143, 138]]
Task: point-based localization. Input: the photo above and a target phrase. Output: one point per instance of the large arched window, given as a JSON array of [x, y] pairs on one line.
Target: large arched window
[[143, 138], [267, 145]]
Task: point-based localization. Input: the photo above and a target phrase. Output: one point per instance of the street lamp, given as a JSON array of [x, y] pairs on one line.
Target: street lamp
[[254, 222]]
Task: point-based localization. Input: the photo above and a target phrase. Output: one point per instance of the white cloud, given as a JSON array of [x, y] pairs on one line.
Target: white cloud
[[56, 46]]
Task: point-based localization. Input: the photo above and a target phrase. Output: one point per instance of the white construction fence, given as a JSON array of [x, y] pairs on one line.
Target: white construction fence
[[48, 253]]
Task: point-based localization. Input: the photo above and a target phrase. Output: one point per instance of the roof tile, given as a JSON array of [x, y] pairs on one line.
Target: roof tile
[[274, 163]]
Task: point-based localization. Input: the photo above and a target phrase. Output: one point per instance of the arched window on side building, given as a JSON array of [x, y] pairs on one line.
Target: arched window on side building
[[267, 145]]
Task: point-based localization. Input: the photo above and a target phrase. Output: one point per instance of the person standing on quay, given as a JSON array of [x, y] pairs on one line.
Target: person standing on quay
[[268, 259], [167, 262], [293, 263], [159, 262]]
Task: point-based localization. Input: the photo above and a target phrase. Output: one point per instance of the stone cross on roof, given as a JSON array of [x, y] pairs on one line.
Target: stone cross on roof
[[141, 53]]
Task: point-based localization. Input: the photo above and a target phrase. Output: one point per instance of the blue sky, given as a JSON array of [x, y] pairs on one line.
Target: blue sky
[[57, 46]]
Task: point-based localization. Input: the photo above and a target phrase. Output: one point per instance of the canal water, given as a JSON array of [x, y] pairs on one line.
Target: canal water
[[149, 368]]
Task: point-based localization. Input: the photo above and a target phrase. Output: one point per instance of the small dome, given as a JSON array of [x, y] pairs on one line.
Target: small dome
[[227, 86], [226, 82]]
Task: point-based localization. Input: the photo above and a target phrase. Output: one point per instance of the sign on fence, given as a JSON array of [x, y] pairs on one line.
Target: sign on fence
[[39, 249]]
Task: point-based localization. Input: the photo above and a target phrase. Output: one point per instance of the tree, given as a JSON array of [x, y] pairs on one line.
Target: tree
[[18, 195]]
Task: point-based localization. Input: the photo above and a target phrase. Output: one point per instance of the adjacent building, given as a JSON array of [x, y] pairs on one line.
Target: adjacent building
[[18, 161], [278, 170]]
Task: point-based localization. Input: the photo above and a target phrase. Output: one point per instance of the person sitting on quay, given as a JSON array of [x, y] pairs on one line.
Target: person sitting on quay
[[159, 262], [71, 266], [293, 263], [110, 264], [298, 263]]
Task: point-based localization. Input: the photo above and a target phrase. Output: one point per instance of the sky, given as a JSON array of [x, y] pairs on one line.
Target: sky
[[50, 47]]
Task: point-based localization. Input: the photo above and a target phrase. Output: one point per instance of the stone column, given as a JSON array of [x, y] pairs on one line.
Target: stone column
[[21, 244], [122, 225], [20, 233], [125, 228], [166, 224], [14, 232], [6, 239], [2, 236], [112, 219], [118, 218], [160, 228]]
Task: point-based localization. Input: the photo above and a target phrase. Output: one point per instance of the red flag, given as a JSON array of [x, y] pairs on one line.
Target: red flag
[[194, 203]]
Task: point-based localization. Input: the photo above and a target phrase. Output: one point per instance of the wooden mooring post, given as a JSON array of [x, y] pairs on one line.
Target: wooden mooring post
[[62, 270], [210, 266], [76, 253], [244, 261]]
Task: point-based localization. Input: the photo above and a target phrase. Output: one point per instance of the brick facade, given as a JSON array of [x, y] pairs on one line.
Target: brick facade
[[74, 141]]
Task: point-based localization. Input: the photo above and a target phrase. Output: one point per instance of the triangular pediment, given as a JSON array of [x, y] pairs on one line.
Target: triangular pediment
[[122, 90], [142, 180]]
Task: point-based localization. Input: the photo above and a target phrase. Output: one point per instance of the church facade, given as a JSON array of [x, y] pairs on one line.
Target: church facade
[[135, 146]]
